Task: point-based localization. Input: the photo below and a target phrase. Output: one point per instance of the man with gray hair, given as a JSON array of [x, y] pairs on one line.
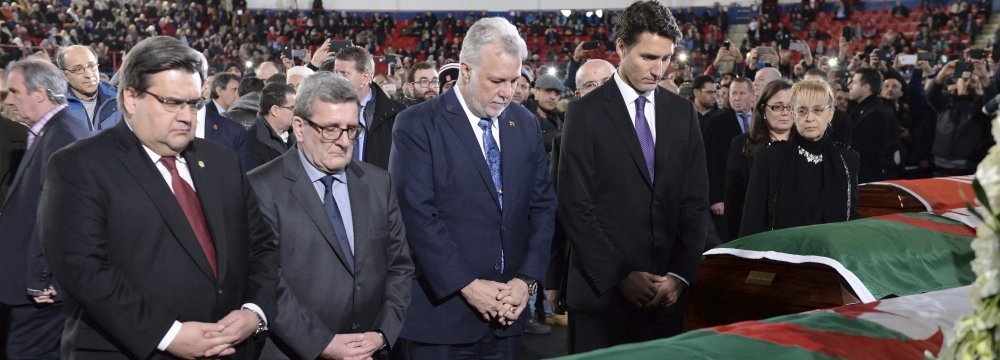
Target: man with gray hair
[[345, 265], [472, 179], [154, 235], [37, 91]]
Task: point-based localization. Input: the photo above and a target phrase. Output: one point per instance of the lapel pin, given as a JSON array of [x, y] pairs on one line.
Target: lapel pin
[[511, 123], [201, 164], [215, 127]]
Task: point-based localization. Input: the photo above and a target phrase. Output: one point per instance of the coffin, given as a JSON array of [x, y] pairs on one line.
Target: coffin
[[899, 196], [908, 327], [821, 266]]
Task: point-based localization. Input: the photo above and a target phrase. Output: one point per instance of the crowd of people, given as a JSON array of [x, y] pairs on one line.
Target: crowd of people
[[438, 209]]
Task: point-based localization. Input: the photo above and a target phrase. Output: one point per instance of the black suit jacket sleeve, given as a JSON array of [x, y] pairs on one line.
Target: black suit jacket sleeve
[[716, 142], [693, 211], [72, 221], [756, 208], [400, 274], [737, 177]]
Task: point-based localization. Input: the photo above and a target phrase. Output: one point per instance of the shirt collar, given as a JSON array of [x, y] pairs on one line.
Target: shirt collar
[[629, 94], [314, 173], [364, 102], [468, 113], [219, 107], [37, 127]]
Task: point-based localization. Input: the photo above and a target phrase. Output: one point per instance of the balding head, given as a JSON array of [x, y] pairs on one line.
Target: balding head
[[79, 66], [266, 70], [592, 74], [764, 76]]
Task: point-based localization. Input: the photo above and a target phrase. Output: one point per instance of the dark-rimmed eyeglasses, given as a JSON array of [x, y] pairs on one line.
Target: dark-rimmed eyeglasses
[[174, 105], [333, 133], [425, 82], [779, 107]]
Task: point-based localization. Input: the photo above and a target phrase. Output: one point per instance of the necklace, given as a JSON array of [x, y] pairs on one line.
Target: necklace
[[815, 159]]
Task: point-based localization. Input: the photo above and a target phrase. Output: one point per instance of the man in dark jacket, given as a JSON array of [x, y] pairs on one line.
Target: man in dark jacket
[[270, 136], [962, 130], [245, 108], [547, 90], [378, 111], [89, 98], [875, 135]]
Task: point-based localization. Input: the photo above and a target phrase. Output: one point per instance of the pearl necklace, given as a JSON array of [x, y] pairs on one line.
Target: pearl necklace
[[815, 159]]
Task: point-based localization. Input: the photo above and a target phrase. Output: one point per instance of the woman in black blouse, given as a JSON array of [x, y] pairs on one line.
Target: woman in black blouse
[[808, 179], [771, 121]]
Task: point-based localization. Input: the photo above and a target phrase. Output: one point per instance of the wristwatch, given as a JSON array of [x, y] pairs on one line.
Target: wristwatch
[[532, 284], [261, 326]]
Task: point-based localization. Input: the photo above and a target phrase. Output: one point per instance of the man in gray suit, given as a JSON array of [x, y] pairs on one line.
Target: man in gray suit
[[344, 263]]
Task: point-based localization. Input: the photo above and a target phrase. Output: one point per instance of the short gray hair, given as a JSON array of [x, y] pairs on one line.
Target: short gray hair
[[494, 30], [41, 73], [324, 86]]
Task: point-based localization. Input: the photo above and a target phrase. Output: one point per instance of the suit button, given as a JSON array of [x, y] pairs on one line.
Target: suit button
[[503, 228], [496, 267], [357, 288], [656, 202], [219, 292], [355, 326]]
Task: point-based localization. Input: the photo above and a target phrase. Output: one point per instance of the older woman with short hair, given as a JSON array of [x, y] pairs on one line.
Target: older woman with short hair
[[808, 179]]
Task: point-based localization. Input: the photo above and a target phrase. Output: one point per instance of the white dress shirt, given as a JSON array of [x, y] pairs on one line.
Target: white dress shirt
[[474, 120]]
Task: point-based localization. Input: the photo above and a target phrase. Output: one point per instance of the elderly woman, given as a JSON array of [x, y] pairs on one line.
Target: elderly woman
[[771, 121], [808, 179]]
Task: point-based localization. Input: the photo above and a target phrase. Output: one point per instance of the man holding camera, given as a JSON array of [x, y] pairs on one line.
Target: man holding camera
[[961, 134]]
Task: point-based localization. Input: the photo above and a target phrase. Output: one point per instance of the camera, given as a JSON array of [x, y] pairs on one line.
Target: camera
[[978, 54], [591, 45]]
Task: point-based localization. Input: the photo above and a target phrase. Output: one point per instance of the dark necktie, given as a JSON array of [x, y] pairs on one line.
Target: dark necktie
[[333, 212], [743, 121], [645, 135], [188, 200], [492, 157]]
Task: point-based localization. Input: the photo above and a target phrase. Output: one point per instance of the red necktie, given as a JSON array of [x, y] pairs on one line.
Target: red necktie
[[192, 210]]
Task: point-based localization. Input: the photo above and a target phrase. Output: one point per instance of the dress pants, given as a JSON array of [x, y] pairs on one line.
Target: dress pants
[[33, 331], [623, 323], [490, 347]]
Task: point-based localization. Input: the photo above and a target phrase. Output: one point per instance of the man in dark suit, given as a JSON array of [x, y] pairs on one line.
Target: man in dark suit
[[473, 186], [213, 124], [718, 132], [633, 205], [378, 111], [345, 265], [13, 141], [271, 134], [874, 131], [155, 236], [37, 90]]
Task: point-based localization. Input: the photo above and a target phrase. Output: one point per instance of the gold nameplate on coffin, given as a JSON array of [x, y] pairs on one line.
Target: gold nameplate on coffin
[[760, 278]]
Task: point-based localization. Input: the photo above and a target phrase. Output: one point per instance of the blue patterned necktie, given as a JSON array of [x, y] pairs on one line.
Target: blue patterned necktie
[[645, 135], [333, 212], [492, 157]]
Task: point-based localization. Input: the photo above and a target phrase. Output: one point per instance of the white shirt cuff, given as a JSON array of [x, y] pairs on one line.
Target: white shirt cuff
[[679, 277], [256, 309], [169, 338]]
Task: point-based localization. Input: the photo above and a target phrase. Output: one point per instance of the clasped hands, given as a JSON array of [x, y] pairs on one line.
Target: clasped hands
[[199, 340], [645, 290], [497, 302]]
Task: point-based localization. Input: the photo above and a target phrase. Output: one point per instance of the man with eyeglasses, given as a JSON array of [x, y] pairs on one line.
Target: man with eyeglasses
[[90, 98], [154, 235], [33, 313], [271, 135], [704, 96], [718, 132], [345, 264], [421, 83]]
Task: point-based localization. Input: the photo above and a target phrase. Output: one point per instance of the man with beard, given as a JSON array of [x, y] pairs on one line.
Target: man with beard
[[547, 90], [704, 89], [421, 83]]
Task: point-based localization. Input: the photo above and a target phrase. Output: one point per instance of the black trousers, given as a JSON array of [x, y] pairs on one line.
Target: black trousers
[[622, 324], [32, 331], [490, 347]]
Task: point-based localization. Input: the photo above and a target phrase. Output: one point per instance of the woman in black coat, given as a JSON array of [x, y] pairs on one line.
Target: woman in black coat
[[771, 121], [808, 179]]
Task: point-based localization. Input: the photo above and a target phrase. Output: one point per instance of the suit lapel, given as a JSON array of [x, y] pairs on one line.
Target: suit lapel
[[617, 111], [357, 191], [212, 126], [663, 134], [304, 193], [208, 192], [29, 158], [459, 122], [137, 163]]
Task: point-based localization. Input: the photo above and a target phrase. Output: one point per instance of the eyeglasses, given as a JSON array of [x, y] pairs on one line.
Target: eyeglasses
[[779, 107], [426, 82], [174, 105], [802, 112], [591, 85], [82, 68], [333, 133], [289, 108]]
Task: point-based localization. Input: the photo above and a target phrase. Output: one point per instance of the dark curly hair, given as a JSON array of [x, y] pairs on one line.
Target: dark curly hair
[[646, 16]]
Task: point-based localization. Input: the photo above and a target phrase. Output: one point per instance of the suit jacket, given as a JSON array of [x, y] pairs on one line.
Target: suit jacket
[[124, 252], [225, 131], [875, 136], [718, 132], [20, 252], [378, 133], [266, 144], [318, 296], [453, 219], [13, 141], [615, 218]]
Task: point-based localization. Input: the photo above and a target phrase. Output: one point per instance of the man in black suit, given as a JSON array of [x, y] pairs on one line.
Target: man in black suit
[[215, 126], [155, 236], [37, 90], [633, 205], [874, 132], [13, 141], [718, 132], [378, 111], [345, 265]]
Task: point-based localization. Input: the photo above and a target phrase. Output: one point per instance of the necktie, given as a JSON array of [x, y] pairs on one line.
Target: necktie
[[645, 135], [192, 211], [492, 157], [743, 122], [333, 212]]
